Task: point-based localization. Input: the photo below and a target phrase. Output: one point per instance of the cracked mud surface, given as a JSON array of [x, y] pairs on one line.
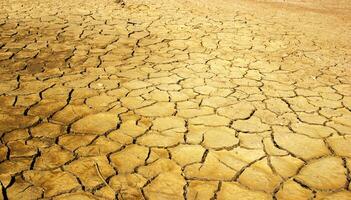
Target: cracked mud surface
[[173, 99]]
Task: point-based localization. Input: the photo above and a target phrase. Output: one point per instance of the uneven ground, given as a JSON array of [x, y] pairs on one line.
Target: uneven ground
[[175, 99]]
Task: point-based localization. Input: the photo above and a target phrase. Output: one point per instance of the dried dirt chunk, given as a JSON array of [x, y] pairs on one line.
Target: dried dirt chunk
[[90, 169], [292, 191], [211, 169], [238, 158], [186, 154], [314, 131], [194, 112], [161, 139], [312, 118], [128, 185], [253, 124], [260, 176], [46, 107], [20, 149], [15, 165], [277, 106], [300, 104], [159, 109], [77, 195], [324, 174], [101, 146], [72, 142], [220, 137], [5, 55], [286, 166], [129, 128], [53, 182], [201, 189], [100, 102], [169, 123], [136, 156], [136, 84], [11, 122], [217, 102], [302, 146], [241, 110], [47, 130], [158, 167], [96, 124], [340, 145], [210, 120], [21, 189], [3, 152], [272, 149], [233, 190], [251, 141], [53, 157], [70, 113], [334, 195], [165, 186]]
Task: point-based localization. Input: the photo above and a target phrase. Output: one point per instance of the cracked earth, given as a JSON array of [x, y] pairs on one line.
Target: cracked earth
[[174, 99]]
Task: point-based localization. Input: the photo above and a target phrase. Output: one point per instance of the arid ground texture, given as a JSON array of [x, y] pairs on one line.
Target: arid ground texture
[[175, 99]]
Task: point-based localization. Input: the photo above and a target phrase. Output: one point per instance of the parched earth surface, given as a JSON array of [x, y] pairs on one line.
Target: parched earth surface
[[175, 99]]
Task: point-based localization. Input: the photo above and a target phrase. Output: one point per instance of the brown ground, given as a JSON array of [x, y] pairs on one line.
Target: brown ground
[[175, 99]]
